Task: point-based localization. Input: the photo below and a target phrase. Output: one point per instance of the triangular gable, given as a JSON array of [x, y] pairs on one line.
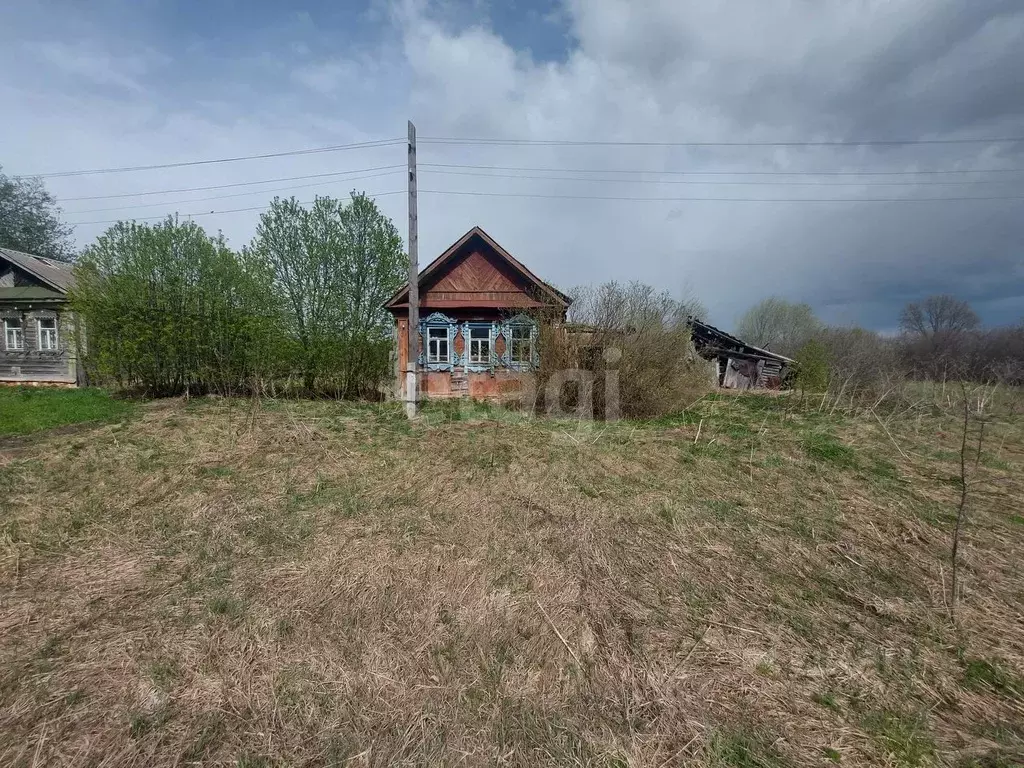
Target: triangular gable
[[460, 265], [51, 273]]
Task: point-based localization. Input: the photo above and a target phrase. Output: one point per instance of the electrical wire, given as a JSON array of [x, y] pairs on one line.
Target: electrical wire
[[596, 143], [227, 186], [212, 213], [290, 153], [744, 182], [235, 194], [728, 199], [724, 173]]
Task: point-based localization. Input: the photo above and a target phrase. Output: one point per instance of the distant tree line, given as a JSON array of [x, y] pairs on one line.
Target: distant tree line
[[940, 338], [170, 309]]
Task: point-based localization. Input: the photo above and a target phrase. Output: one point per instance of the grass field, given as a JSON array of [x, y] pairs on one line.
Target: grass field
[[752, 583], [24, 410]]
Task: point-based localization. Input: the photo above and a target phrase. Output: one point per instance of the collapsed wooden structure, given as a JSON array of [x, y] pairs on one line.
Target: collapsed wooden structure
[[737, 364]]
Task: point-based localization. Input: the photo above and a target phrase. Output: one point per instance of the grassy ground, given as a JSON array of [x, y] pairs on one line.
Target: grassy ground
[[753, 583], [28, 409]]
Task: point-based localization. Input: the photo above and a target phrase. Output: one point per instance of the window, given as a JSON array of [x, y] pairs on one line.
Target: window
[[12, 334], [480, 346], [48, 334], [437, 345], [521, 344]]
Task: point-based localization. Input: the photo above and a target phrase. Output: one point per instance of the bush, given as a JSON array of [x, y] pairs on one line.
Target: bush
[[170, 309], [629, 345], [812, 366]]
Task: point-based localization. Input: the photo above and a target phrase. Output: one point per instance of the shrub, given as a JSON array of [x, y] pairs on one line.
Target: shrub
[[812, 366], [171, 309], [629, 345]]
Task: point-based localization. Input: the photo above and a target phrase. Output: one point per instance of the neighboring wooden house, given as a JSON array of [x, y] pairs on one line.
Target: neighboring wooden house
[[479, 309], [36, 343], [738, 365]]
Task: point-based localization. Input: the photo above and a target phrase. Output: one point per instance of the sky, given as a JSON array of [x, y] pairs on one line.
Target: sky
[[730, 169]]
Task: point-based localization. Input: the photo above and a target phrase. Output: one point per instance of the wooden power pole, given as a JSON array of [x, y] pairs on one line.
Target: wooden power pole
[[411, 393]]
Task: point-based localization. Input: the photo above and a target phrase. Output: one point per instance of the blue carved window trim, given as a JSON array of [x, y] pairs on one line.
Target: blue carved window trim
[[493, 331], [438, 320], [520, 321]]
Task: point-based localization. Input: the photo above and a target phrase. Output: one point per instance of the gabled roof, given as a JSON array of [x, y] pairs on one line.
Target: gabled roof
[[56, 274], [455, 249]]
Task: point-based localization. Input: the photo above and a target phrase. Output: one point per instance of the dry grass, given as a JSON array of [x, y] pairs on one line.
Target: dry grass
[[318, 584]]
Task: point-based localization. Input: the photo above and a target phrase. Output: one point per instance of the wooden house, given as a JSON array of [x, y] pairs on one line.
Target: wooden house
[[738, 365], [36, 341], [479, 313]]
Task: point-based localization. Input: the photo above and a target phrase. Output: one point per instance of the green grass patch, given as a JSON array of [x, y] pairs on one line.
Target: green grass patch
[[744, 749], [24, 410], [983, 674], [905, 738], [824, 447], [226, 606]]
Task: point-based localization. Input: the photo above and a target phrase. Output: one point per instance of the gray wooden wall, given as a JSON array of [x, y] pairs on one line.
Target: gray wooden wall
[[30, 364]]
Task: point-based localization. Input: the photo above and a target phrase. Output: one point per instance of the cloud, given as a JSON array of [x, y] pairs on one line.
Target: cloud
[[327, 77], [84, 61], [746, 71]]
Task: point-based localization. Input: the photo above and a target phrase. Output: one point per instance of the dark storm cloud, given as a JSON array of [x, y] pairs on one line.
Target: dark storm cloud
[[894, 71]]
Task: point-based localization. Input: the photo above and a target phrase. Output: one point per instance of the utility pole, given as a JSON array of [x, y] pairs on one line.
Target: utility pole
[[411, 393]]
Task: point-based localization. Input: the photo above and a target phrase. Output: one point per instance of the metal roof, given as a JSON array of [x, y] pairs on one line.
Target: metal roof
[[56, 274]]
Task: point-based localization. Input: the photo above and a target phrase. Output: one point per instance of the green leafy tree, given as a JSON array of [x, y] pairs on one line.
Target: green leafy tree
[[171, 309], [30, 220], [779, 325], [333, 265]]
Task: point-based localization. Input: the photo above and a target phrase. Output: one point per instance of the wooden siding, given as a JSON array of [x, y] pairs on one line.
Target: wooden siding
[[30, 364], [474, 281], [478, 278], [502, 382]]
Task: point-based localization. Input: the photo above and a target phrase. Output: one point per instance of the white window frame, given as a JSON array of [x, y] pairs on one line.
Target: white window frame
[[482, 338], [50, 335], [16, 332], [435, 335], [512, 343]]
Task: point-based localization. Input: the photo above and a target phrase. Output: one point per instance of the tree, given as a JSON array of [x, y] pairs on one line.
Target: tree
[[937, 315], [938, 339], [632, 306], [30, 220], [172, 309], [778, 325], [333, 266]]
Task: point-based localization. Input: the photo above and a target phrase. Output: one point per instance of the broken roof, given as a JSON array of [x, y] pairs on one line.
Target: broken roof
[[706, 332]]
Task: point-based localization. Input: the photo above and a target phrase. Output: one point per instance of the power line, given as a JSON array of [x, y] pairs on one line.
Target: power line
[[589, 143], [236, 194], [725, 173], [290, 153], [228, 186], [212, 213], [701, 182], [729, 199]]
